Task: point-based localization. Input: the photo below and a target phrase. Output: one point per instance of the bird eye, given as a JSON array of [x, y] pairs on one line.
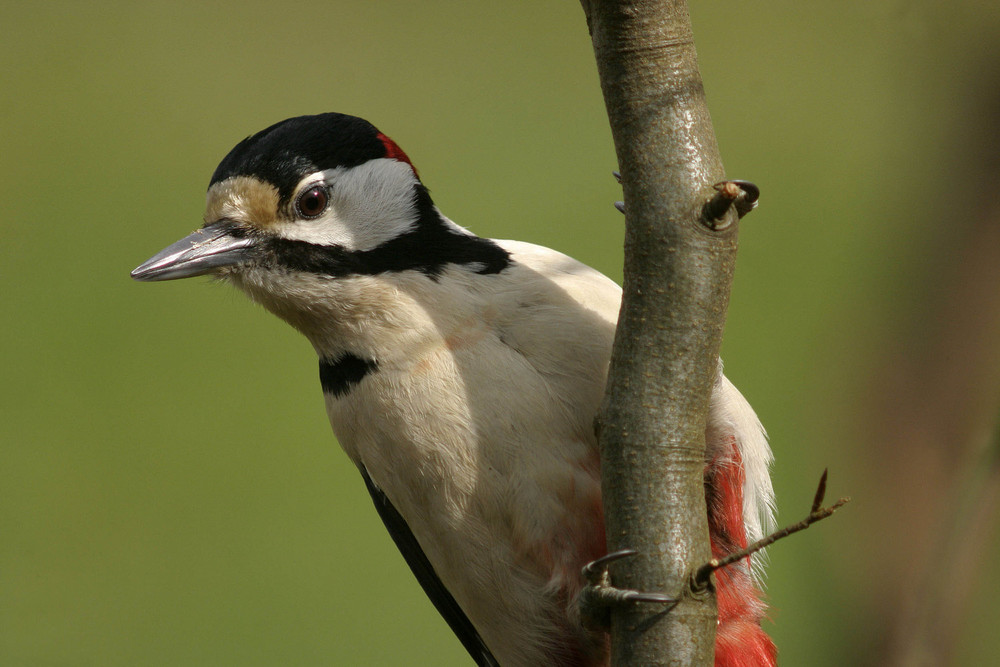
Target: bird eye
[[312, 202]]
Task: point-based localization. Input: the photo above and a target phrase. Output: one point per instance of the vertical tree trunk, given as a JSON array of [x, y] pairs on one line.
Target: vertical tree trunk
[[678, 272]]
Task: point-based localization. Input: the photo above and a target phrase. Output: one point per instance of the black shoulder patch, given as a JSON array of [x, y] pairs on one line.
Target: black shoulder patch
[[340, 375], [414, 555], [287, 151]]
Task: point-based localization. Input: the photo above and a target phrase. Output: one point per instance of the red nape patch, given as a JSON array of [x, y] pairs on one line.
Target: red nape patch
[[395, 152]]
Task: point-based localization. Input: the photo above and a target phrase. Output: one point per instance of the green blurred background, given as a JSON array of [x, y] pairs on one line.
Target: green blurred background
[[170, 492]]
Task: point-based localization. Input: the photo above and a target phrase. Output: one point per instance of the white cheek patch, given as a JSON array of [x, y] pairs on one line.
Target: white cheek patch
[[369, 205]]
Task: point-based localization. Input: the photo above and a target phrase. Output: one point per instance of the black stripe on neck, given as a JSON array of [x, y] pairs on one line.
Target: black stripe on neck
[[428, 248], [340, 375]]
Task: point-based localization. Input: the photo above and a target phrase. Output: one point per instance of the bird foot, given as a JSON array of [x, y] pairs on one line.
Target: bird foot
[[599, 595]]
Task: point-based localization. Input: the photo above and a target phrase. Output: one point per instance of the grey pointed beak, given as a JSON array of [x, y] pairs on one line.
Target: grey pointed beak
[[201, 252]]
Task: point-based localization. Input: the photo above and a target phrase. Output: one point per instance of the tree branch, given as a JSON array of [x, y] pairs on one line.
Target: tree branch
[[817, 513], [678, 270]]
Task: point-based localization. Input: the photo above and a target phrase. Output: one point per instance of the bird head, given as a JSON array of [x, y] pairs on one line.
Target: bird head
[[308, 193], [297, 212]]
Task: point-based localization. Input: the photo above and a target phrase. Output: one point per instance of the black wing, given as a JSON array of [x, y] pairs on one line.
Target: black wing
[[428, 578]]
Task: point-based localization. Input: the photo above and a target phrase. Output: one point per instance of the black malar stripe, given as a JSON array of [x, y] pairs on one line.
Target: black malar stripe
[[429, 248]]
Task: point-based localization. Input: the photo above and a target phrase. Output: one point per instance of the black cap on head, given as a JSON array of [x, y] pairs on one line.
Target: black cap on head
[[287, 151]]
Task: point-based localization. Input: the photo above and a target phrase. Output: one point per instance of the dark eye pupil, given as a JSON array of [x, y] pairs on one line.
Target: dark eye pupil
[[312, 202]]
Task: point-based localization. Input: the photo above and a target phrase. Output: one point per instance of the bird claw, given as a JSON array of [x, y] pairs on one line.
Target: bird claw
[[620, 205], [599, 595]]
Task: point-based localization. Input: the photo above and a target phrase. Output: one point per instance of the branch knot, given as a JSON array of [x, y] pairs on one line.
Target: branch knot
[[741, 195]]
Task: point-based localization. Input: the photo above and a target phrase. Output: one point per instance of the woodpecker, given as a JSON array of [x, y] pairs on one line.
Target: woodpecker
[[461, 376]]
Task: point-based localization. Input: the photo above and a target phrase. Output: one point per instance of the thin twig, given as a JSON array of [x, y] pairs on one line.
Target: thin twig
[[820, 493], [818, 513]]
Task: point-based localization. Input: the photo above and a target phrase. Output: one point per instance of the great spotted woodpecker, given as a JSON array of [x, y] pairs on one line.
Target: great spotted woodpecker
[[462, 376]]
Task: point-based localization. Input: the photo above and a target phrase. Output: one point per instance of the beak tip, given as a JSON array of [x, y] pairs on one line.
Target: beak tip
[[148, 272], [203, 251], [138, 275]]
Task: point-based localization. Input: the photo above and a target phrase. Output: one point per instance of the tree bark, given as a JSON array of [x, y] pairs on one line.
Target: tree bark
[[678, 271]]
